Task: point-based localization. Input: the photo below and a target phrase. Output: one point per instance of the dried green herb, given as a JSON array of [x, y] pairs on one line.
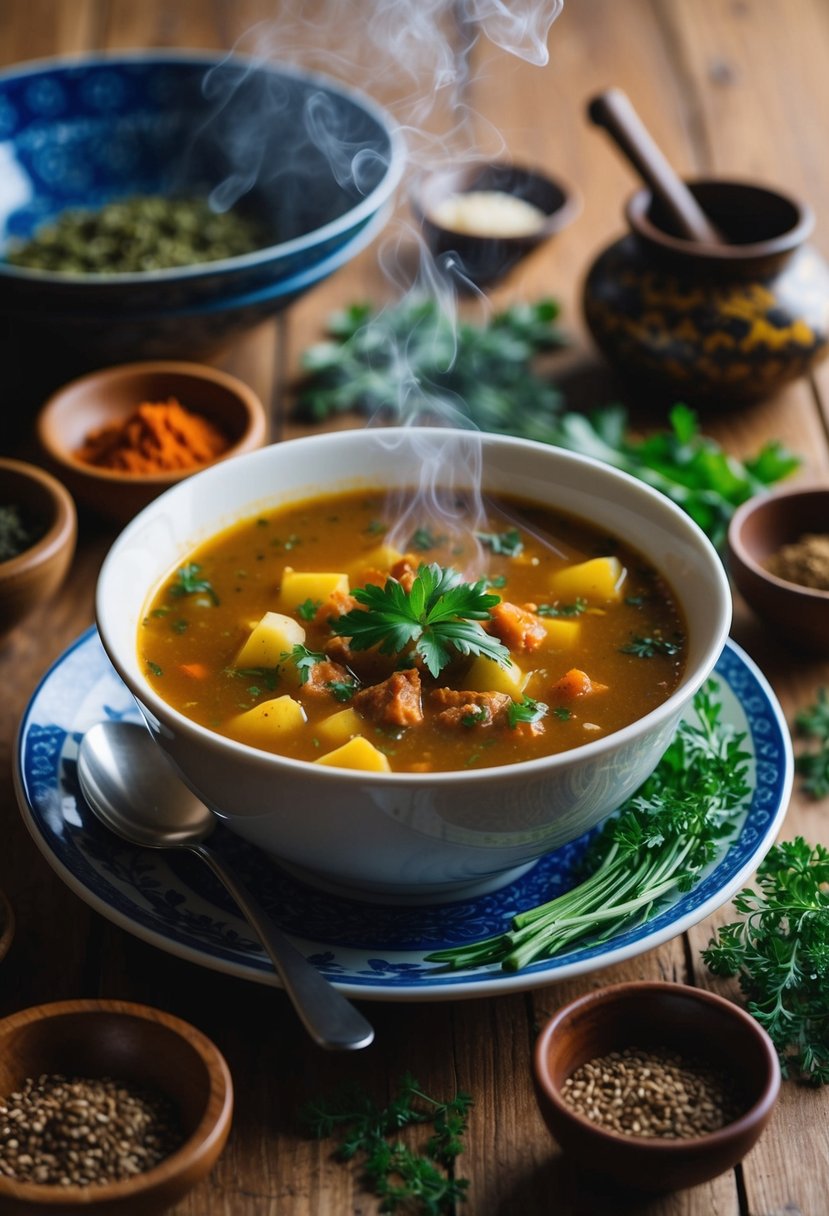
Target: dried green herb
[[17, 532], [137, 234]]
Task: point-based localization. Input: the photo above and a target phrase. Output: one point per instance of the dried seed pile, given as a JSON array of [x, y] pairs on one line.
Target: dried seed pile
[[652, 1093], [78, 1132]]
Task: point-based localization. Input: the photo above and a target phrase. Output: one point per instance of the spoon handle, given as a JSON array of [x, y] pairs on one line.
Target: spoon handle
[[331, 1020], [614, 111]]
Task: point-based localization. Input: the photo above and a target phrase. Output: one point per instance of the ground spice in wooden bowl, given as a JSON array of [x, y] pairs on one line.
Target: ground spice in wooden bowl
[[805, 561], [156, 437], [652, 1092], [84, 1132]]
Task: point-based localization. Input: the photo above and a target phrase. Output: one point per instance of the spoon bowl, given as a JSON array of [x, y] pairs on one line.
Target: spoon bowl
[[135, 793]]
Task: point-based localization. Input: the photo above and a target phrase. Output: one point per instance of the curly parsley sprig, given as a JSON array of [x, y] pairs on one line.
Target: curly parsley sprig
[[780, 953], [439, 617], [404, 1180]]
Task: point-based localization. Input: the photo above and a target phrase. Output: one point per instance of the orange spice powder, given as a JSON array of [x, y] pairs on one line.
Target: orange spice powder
[[158, 436]]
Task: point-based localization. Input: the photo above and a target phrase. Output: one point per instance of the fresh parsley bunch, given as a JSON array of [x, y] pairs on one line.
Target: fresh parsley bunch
[[687, 466], [780, 953], [413, 353]]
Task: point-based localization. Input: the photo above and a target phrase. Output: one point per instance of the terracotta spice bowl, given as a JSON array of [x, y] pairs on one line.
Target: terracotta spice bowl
[[35, 574], [693, 1023], [138, 1046]]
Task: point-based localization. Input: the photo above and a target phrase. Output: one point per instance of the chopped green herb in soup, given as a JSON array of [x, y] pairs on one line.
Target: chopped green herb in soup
[[307, 633]]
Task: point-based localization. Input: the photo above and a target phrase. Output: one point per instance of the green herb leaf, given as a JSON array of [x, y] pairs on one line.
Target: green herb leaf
[[342, 690], [415, 351], [189, 582], [154, 668], [422, 539], [309, 609], [439, 617], [555, 610], [404, 1179], [304, 659], [648, 648], [268, 675], [687, 466], [779, 949], [526, 710], [813, 723], [508, 543]]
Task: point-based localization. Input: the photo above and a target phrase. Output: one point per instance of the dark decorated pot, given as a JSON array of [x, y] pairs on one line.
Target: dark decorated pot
[[716, 324]]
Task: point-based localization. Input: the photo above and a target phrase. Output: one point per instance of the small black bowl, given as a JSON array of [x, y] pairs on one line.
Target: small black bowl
[[487, 258]]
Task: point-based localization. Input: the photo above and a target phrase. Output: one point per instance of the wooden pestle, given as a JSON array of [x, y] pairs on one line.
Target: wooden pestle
[[613, 111]]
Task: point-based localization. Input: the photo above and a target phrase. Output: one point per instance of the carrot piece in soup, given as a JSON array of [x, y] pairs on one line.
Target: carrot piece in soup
[[517, 628], [575, 683], [196, 671]]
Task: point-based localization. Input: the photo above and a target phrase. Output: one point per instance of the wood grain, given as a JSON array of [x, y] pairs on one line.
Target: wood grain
[[735, 87]]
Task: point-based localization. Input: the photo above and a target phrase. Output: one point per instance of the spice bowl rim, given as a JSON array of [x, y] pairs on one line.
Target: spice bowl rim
[[666, 1147], [61, 528], [638, 204], [194, 1156], [464, 177], [741, 553], [253, 434], [7, 924]]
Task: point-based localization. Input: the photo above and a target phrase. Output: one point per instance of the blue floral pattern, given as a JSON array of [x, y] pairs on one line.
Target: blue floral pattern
[[369, 950]]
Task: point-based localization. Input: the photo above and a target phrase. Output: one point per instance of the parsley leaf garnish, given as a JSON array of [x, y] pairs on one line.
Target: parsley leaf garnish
[[648, 648], [439, 616], [189, 583], [308, 609], [342, 690], [575, 609], [527, 710], [268, 675], [507, 544], [422, 539], [304, 659], [780, 952]]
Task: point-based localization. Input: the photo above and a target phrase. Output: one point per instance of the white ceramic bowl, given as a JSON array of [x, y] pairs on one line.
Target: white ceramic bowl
[[410, 833]]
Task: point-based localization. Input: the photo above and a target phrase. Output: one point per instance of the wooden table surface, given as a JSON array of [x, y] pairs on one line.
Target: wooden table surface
[[736, 87]]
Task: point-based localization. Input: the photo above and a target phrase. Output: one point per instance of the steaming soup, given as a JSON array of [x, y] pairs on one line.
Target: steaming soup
[[306, 631]]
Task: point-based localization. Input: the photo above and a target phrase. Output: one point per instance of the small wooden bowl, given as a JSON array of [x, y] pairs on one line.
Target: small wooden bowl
[[485, 259], [798, 615], [109, 397], [35, 574], [131, 1043], [649, 1014], [6, 925]]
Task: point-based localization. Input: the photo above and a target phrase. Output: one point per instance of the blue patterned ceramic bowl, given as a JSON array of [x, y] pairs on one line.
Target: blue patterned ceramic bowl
[[312, 161]]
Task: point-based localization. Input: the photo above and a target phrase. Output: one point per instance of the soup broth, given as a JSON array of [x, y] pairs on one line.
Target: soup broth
[[256, 636]]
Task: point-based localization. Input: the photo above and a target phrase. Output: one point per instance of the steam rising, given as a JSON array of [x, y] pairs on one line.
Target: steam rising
[[413, 57]]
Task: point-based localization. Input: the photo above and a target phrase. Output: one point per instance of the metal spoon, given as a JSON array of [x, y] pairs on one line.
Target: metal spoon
[[133, 790]]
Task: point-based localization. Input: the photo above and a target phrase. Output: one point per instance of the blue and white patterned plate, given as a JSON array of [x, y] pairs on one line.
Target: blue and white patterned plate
[[368, 950]]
